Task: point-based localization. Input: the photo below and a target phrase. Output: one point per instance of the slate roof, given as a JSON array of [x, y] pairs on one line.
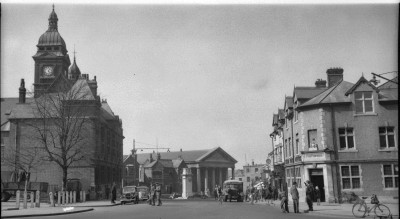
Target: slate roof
[[274, 119], [307, 92], [176, 163], [187, 156], [164, 162], [389, 90], [82, 90], [361, 80], [107, 108], [7, 104], [389, 84], [335, 94], [289, 102], [281, 114]]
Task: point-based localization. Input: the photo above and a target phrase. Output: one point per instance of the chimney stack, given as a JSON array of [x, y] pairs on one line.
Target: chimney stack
[[92, 85], [22, 92], [334, 75], [320, 83], [158, 156], [151, 157]]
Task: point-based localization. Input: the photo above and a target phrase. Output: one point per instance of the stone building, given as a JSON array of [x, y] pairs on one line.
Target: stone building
[[206, 168], [55, 76], [342, 137], [254, 173]]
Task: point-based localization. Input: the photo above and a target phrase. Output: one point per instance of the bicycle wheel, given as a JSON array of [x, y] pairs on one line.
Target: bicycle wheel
[[359, 210], [382, 211]]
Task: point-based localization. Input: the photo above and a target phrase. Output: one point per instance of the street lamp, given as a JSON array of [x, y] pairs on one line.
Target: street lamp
[[375, 81]]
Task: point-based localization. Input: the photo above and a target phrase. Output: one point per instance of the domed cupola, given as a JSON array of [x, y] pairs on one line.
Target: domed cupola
[[73, 71], [51, 39]]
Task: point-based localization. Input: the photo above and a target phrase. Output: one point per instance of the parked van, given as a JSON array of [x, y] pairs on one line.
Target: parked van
[[233, 189]]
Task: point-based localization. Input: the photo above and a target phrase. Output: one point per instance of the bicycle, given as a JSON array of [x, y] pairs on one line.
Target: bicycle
[[360, 208]]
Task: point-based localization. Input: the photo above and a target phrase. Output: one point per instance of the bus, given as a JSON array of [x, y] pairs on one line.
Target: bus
[[233, 189]]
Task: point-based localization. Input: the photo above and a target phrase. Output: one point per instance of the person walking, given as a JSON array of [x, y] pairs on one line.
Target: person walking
[[220, 195], [216, 192], [284, 201], [152, 194], [113, 193], [158, 194], [309, 194], [295, 196], [318, 195]]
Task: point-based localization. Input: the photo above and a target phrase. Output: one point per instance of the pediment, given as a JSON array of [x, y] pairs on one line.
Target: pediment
[[218, 156]]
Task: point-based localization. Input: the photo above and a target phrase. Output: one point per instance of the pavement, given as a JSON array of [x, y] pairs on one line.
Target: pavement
[[8, 209], [333, 209]]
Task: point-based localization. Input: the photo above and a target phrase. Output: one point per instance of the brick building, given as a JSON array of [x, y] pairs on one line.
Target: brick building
[[54, 76], [342, 137]]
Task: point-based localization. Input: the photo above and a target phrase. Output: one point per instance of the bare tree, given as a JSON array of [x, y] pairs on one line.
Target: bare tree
[[23, 162], [62, 124]]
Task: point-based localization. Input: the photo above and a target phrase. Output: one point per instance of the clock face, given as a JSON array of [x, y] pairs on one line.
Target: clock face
[[48, 71]]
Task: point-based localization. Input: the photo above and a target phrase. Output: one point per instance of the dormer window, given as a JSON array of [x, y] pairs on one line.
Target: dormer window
[[364, 102]]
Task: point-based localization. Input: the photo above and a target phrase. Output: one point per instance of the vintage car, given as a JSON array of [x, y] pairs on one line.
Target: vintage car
[[233, 189], [129, 195], [143, 192]]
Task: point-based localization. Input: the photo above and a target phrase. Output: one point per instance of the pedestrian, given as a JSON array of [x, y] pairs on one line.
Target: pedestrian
[[220, 196], [207, 191], [275, 191], [152, 194], [284, 201], [158, 194], [269, 196], [216, 192], [309, 194], [113, 193], [295, 196], [318, 195]]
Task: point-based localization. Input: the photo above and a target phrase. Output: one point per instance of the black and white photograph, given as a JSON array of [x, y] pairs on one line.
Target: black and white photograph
[[168, 109]]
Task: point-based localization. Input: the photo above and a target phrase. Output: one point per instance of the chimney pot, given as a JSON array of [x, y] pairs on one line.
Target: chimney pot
[[334, 75]]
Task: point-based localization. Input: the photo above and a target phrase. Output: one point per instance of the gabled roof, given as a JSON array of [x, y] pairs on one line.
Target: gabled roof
[[302, 93], [7, 104], [187, 156], [163, 162], [390, 84], [360, 81], [288, 102], [107, 108], [274, 119], [281, 114], [82, 90], [334, 94], [176, 163]]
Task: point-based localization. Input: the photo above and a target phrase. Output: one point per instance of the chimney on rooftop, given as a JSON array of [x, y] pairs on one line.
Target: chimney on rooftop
[[22, 92], [158, 156], [151, 157], [320, 83], [334, 75]]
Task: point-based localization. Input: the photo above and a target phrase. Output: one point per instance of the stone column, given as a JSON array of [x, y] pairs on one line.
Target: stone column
[[213, 179], [198, 180], [205, 179], [220, 176], [227, 173], [233, 172]]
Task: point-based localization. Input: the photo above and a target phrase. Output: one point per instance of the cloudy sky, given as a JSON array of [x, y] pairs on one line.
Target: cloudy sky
[[201, 76]]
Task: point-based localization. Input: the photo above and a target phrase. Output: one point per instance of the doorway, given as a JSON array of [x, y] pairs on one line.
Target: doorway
[[317, 178]]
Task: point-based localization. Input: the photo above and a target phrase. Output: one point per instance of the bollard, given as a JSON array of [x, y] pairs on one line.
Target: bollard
[[59, 199], [37, 198], [25, 200], [84, 196], [17, 194], [32, 199], [70, 197], [81, 196], [63, 198], [51, 199], [74, 195], [66, 197]]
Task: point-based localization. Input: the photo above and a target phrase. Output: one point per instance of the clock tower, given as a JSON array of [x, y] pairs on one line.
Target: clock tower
[[51, 59]]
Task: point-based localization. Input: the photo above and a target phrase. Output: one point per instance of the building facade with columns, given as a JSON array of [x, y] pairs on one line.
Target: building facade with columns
[[206, 167]]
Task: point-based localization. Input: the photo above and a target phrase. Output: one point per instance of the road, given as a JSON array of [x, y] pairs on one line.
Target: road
[[188, 209]]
